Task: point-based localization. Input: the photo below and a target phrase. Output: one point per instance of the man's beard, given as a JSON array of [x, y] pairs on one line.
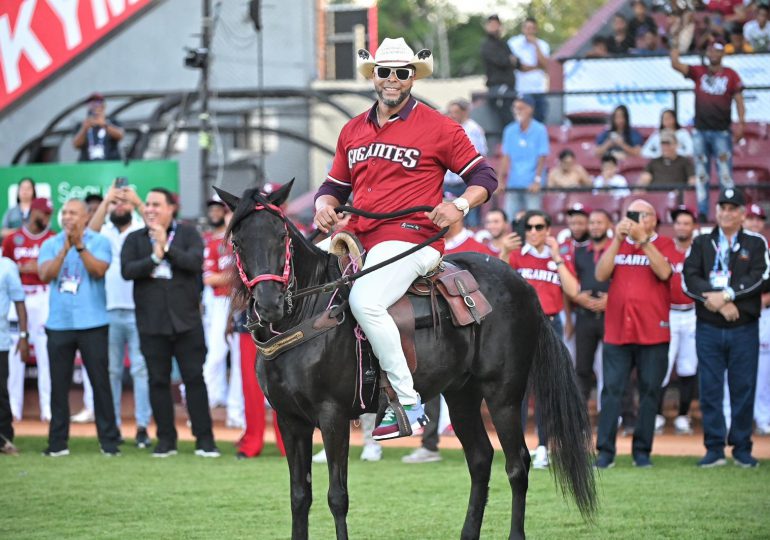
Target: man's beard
[[215, 224], [120, 220], [41, 224], [583, 238], [683, 238], [393, 102], [599, 238]]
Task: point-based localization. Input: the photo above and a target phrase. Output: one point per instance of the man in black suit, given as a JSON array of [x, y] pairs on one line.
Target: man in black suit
[[165, 261]]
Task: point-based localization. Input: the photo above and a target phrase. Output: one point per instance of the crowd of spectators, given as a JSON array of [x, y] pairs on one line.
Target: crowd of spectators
[[688, 26]]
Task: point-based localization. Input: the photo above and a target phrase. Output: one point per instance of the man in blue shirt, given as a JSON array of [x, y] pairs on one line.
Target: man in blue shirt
[[10, 291], [524, 149], [74, 263]]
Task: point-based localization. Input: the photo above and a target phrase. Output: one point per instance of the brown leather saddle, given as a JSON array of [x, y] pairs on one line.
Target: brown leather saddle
[[467, 304]]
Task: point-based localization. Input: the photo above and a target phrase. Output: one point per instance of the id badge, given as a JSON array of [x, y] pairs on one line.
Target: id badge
[[69, 285], [162, 271], [96, 152], [719, 279]]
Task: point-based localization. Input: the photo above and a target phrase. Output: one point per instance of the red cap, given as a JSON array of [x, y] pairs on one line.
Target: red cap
[[755, 210], [96, 96], [44, 205], [683, 209], [578, 208]]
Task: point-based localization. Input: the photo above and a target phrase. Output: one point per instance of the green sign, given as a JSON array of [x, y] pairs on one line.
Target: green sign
[[60, 182]]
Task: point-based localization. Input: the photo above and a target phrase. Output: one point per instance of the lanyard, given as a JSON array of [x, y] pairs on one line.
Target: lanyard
[[722, 258], [169, 238]]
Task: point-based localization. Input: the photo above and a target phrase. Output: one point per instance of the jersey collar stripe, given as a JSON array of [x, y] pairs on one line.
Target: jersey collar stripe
[[337, 181], [470, 165]]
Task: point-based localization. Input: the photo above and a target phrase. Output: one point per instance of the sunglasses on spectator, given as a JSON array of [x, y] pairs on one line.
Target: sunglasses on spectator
[[537, 227], [402, 74]]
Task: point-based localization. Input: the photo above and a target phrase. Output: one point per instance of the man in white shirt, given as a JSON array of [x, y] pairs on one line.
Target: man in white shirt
[[119, 205], [459, 110], [533, 54], [757, 32]]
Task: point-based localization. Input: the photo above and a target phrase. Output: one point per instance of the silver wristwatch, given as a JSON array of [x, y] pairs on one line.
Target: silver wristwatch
[[462, 205]]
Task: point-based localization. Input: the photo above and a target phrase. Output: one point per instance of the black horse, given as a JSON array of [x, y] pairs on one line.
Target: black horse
[[315, 383]]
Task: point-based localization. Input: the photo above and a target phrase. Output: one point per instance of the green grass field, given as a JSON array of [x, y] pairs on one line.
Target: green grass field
[[87, 495]]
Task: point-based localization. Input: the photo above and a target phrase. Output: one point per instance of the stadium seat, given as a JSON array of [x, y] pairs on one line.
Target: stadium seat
[[554, 204], [604, 201], [661, 201]]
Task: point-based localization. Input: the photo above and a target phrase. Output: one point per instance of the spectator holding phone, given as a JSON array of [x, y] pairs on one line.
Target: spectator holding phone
[[98, 137], [542, 265], [636, 332], [496, 231]]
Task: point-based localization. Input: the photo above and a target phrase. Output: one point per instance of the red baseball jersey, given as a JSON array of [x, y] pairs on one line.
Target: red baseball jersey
[[714, 96], [678, 297], [218, 257], [465, 242], [540, 271], [22, 247], [638, 303], [400, 165]]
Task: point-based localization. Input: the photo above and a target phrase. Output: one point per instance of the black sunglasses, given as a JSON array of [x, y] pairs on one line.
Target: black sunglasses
[[538, 227], [402, 74]]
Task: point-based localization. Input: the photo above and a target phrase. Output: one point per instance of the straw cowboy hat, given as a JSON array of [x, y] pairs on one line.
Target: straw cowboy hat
[[395, 53]]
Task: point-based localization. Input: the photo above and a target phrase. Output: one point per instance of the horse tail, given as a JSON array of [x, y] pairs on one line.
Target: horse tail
[[564, 416]]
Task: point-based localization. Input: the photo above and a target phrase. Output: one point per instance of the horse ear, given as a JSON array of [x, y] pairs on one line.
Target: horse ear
[[281, 195], [228, 198]]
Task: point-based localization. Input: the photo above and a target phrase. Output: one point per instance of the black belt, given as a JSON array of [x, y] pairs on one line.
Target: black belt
[[579, 310]]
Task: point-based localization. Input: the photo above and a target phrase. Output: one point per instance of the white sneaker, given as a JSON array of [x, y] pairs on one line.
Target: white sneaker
[[763, 430], [234, 423], [540, 460], [421, 455], [371, 452], [660, 423], [83, 417], [682, 425], [320, 457]]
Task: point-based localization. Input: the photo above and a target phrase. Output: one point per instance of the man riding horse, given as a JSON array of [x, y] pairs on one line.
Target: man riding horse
[[392, 157]]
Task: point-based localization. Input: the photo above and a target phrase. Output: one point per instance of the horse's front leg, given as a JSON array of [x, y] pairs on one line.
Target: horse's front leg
[[298, 440], [335, 428]]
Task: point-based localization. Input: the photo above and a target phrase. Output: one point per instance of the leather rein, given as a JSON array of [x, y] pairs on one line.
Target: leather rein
[[334, 315]]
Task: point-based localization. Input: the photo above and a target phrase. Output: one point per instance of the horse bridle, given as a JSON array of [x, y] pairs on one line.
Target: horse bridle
[[287, 277]]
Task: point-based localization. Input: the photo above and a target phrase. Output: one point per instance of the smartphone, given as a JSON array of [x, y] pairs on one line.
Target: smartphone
[[519, 227], [121, 182], [633, 216]]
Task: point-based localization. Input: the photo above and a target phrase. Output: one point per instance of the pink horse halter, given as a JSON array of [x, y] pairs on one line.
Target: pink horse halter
[[286, 276]]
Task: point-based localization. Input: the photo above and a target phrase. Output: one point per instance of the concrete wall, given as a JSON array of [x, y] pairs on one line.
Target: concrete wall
[[147, 55]]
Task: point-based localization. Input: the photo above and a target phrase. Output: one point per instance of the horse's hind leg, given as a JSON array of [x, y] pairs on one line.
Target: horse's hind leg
[[505, 408], [335, 428], [464, 409], [298, 440]]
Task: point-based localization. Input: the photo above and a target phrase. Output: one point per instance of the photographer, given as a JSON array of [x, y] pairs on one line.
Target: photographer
[[636, 331], [98, 137]]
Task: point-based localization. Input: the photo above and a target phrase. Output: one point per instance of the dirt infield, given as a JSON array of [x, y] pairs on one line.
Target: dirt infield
[[668, 443]]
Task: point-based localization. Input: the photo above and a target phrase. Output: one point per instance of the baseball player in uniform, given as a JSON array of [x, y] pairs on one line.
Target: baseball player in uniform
[[218, 258], [392, 157], [755, 222], [23, 248], [681, 348]]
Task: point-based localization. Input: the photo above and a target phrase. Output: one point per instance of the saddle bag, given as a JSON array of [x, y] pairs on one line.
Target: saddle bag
[[461, 291]]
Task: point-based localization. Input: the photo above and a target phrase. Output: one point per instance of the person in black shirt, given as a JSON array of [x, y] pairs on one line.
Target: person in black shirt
[[621, 41], [499, 65], [165, 261], [641, 19], [724, 271], [591, 301], [98, 137]]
